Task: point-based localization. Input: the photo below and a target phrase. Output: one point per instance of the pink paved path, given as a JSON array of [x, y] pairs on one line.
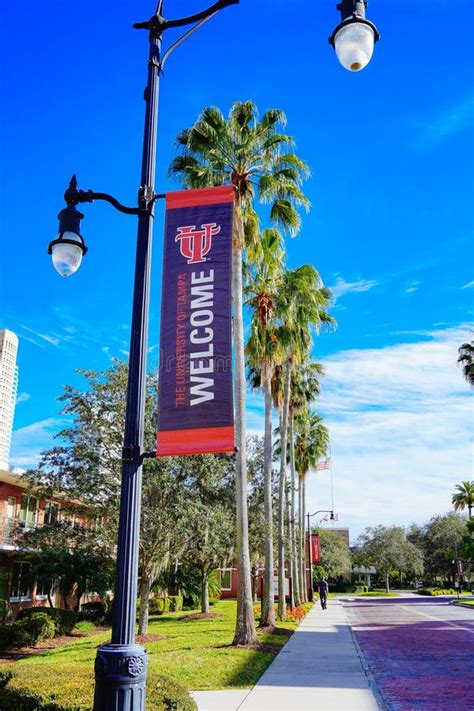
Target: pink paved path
[[419, 650]]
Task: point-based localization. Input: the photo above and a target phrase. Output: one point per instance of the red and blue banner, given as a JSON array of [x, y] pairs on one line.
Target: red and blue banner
[[195, 412]]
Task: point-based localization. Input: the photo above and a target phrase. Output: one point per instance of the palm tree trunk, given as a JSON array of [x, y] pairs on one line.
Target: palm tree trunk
[[268, 604], [303, 527], [281, 494], [205, 591], [387, 583], [144, 604], [245, 625], [303, 593], [294, 560]]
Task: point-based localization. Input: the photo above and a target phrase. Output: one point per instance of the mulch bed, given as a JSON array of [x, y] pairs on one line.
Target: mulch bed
[[14, 654], [200, 616]]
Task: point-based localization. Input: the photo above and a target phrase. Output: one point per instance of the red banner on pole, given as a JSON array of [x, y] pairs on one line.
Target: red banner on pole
[[195, 413], [315, 549]]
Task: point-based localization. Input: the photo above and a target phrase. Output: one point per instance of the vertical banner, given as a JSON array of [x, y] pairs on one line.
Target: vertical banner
[[315, 549], [195, 413]]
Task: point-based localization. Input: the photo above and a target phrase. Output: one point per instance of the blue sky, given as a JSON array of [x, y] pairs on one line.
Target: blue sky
[[391, 154]]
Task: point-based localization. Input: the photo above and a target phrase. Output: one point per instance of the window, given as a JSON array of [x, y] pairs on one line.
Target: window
[[51, 512], [226, 579], [20, 589], [28, 508], [42, 590]]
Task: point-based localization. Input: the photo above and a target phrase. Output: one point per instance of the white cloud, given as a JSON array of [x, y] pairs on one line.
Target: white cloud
[[413, 286], [28, 442], [23, 397], [447, 122], [400, 420], [51, 339], [343, 287], [469, 285]]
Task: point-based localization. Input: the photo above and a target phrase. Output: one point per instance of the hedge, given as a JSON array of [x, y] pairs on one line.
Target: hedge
[[24, 633], [163, 694], [435, 591], [64, 620]]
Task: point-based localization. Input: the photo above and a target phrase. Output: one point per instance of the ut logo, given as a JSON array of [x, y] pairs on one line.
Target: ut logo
[[195, 244]]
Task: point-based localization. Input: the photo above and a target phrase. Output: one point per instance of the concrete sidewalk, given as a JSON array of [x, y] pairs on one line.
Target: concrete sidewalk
[[319, 668]]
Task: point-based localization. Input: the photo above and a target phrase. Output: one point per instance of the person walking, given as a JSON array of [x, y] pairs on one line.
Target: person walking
[[323, 588]]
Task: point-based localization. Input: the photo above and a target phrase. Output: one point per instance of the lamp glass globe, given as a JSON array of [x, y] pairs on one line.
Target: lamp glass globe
[[67, 257], [354, 45]]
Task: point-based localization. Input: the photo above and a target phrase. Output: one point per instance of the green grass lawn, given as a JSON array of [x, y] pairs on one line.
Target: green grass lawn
[[465, 603], [196, 653]]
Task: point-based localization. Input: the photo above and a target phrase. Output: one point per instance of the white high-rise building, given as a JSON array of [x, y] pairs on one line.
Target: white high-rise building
[[8, 392]]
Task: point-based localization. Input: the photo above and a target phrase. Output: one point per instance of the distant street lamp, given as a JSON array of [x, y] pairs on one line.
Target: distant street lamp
[[120, 667], [355, 36], [310, 553]]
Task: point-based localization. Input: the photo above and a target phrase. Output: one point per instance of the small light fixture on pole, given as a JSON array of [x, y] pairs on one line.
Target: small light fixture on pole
[[355, 36], [310, 553], [69, 247]]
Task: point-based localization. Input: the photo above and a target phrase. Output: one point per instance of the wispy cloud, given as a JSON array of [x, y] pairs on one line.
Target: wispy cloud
[[28, 442], [447, 122], [343, 287], [52, 339], [412, 287], [469, 285], [23, 397], [400, 423]]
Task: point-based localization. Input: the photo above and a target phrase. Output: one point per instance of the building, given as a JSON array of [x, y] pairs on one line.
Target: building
[[19, 509], [8, 392]]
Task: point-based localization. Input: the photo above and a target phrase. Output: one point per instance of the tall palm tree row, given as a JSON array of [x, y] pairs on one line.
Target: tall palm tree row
[[311, 444], [303, 303], [255, 156], [263, 355]]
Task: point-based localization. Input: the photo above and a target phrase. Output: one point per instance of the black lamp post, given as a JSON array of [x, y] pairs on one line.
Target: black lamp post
[[120, 668], [310, 553]]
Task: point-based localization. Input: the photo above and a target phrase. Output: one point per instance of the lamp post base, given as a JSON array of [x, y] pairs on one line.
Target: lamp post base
[[120, 678]]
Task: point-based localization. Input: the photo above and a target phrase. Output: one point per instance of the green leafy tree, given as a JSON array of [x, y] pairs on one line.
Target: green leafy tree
[[335, 555], [388, 549], [71, 560], [440, 541], [252, 154]]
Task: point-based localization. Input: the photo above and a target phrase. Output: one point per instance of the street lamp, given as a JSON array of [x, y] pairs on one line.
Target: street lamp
[[120, 667], [310, 553], [355, 36]]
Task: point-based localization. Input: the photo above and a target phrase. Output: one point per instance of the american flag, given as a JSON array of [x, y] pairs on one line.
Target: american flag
[[323, 464]]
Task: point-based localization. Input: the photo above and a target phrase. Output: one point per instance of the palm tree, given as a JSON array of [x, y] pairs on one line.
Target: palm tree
[[464, 497], [305, 387], [466, 358], [254, 156], [263, 354], [302, 304], [311, 443]]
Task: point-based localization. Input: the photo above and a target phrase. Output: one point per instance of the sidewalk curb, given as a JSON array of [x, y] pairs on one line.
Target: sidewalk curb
[[370, 677]]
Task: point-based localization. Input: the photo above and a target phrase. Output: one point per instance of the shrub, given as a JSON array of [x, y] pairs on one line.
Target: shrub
[[93, 612], [40, 626], [16, 634], [163, 694], [169, 695], [159, 605], [65, 620], [435, 591], [176, 603]]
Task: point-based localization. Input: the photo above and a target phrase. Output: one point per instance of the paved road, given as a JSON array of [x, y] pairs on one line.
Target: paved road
[[419, 650]]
